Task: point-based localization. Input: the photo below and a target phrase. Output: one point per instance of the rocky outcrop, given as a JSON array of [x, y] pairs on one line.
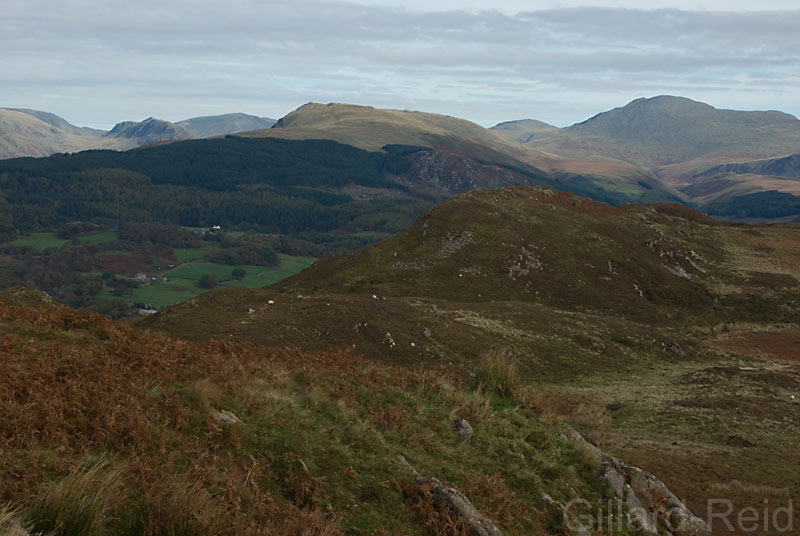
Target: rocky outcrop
[[650, 504], [150, 130], [447, 499], [452, 173]]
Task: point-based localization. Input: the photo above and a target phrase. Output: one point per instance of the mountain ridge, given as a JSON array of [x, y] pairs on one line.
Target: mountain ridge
[[220, 125], [25, 132]]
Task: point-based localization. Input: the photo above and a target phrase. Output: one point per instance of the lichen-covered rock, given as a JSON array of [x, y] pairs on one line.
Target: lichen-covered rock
[[651, 505], [463, 429]]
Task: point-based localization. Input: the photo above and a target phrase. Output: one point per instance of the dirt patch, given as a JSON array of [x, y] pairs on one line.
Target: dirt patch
[[719, 374], [781, 345]]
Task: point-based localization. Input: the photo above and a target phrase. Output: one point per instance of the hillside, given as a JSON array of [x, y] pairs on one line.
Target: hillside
[[461, 145], [372, 128], [525, 130], [666, 130], [683, 143], [788, 167], [23, 134], [220, 125], [108, 429], [628, 320], [56, 121]]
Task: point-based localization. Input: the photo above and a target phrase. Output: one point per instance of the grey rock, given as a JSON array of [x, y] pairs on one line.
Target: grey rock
[[651, 505], [463, 429], [448, 498], [676, 349], [226, 417]]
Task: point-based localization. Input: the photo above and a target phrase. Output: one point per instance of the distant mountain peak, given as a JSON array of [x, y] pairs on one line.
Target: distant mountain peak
[[525, 130], [220, 125], [150, 130]]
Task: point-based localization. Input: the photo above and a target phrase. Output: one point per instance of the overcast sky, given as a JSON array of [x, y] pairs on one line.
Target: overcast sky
[[99, 62]]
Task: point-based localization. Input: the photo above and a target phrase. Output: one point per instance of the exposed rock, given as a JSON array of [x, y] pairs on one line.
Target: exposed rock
[[225, 416], [676, 349], [463, 429], [573, 524], [450, 499], [639, 515], [452, 172], [651, 505], [150, 130]]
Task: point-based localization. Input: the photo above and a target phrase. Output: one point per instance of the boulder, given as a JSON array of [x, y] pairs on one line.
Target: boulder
[[463, 429], [226, 417]]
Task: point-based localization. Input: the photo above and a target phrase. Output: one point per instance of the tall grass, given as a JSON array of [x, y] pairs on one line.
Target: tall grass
[[79, 505], [11, 522], [185, 508], [497, 373]]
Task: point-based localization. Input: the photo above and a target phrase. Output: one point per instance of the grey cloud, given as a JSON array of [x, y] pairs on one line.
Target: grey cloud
[[193, 57]]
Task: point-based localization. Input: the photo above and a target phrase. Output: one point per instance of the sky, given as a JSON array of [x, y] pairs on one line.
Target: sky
[[96, 63]]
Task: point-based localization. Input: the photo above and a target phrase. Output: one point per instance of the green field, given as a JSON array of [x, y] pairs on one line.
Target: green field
[[40, 241], [186, 255], [99, 238], [182, 282]]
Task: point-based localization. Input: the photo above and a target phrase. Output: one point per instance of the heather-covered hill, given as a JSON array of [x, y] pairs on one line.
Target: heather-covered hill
[[629, 320]]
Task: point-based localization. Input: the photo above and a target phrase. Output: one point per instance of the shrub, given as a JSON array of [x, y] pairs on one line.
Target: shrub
[[208, 281]]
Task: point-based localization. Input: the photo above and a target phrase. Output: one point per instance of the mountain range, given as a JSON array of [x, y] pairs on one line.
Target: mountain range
[[26, 132], [653, 149]]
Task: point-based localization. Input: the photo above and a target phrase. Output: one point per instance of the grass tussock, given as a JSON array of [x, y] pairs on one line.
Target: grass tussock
[[497, 373], [82, 504], [183, 508]]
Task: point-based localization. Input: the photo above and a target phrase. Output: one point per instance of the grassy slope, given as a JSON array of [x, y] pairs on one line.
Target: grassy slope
[[316, 452], [41, 241], [727, 186], [677, 139], [370, 128], [453, 286]]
